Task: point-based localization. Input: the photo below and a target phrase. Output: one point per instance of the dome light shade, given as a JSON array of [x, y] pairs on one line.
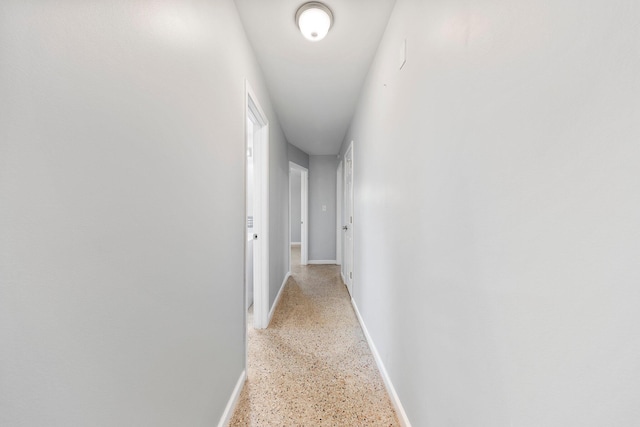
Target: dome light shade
[[314, 20]]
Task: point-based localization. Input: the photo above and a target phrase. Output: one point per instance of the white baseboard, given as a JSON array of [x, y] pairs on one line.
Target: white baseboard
[[295, 243], [275, 303], [402, 415], [233, 401], [344, 282], [322, 261]]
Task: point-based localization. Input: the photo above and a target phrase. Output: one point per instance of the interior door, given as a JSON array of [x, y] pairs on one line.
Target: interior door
[[348, 220], [257, 135], [249, 259]]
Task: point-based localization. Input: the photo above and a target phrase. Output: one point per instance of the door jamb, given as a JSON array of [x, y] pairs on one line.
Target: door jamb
[[339, 215]]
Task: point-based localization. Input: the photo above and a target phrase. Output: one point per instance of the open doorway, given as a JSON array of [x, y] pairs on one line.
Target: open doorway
[[257, 212], [339, 217], [347, 227], [298, 215]]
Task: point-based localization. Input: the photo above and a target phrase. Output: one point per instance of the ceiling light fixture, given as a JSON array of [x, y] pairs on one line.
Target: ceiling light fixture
[[314, 20]]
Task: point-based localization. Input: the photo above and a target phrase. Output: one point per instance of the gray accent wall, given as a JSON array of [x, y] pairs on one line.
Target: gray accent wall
[[297, 156], [497, 202], [322, 224], [296, 205], [122, 211]]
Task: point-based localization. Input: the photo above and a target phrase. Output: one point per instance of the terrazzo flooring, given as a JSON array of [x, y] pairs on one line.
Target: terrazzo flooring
[[312, 366]]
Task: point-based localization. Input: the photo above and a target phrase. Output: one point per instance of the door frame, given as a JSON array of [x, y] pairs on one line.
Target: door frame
[[254, 112], [350, 222], [339, 215], [304, 213]]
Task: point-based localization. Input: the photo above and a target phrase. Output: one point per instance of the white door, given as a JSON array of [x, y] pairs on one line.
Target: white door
[[249, 267], [257, 140], [348, 219]]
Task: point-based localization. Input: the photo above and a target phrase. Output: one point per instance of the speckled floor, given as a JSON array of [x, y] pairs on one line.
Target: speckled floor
[[312, 366]]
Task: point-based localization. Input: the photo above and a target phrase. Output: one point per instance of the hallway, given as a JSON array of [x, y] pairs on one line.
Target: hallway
[[473, 165], [312, 366]]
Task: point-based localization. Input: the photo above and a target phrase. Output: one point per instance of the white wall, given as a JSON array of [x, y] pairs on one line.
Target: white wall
[[296, 205], [122, 210], [322, 224], [497, 188]]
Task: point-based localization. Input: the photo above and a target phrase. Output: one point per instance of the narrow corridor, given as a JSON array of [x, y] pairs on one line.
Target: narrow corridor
[[312, 366]]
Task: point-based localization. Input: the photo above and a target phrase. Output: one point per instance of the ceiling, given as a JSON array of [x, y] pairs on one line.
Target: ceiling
[[314, 86]]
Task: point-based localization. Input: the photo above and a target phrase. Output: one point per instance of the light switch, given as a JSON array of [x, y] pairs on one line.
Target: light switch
[[324, 208]]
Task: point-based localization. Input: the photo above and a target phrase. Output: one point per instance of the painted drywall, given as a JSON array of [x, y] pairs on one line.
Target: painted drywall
[[279, 250], [297, 156], [122, 210], [497, 197], [279, 245], [322, 192], [296, 205]]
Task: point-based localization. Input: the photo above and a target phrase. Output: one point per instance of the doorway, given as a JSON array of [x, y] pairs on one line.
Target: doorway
[[339, 217], [257, 212], [298, 215], [347, 227]]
